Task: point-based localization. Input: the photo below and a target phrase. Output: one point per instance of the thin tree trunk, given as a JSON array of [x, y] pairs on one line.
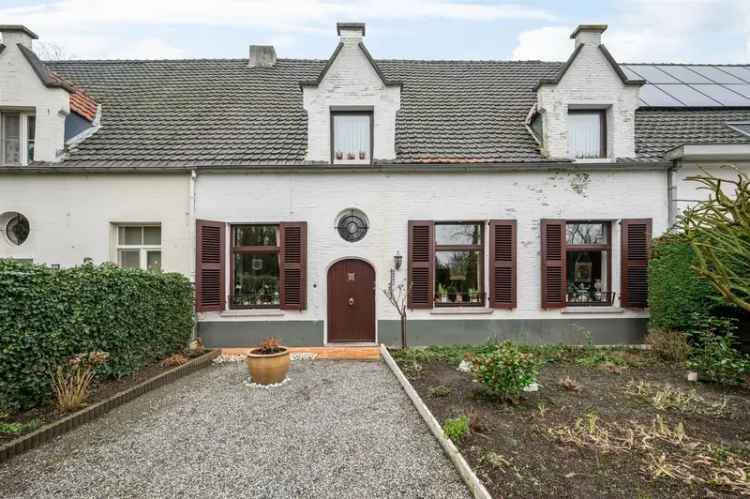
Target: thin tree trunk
[[403, 332]]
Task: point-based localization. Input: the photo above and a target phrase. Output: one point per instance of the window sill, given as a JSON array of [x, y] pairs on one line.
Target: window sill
[[253, 312], [461, 311], [596, 309], [592, 160]]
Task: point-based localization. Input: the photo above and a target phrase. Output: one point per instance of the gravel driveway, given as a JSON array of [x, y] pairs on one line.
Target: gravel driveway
[[336, 429]]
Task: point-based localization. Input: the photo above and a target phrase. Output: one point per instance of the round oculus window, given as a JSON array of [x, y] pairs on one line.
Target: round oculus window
[[17, 229], [352, 225]]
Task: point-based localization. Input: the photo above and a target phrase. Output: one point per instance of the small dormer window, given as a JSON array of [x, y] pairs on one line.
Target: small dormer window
[[587, 134], [351, 140], [11, 138]]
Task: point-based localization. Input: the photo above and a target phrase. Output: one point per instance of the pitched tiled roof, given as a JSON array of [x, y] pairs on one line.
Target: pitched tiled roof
[[659, 130], [223, 113]]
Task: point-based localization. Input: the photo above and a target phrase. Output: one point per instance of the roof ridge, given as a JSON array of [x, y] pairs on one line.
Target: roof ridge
[[715, 65], [295, 59]]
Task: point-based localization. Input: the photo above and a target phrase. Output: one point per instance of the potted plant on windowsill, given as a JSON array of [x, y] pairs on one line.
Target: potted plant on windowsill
[[268, 363], [451, 294]]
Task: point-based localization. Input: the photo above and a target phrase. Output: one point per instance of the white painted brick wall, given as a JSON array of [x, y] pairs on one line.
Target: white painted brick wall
[[687, 192], [590, 81], [391, 200], [71, 215], [20, 87], [351, 81]]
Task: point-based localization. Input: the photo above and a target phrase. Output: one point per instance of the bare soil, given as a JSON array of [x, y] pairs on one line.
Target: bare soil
[[99, 391], [536, 463]]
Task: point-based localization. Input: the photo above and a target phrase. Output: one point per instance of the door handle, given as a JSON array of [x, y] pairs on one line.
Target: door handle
[[351, 301]]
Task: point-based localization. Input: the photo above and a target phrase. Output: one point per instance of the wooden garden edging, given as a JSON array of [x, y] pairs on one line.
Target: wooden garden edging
[[467, 474], [52, 430]]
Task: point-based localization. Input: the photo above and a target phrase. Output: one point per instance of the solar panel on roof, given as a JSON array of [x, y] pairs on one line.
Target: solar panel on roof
[[723, 94], [632, 75], [653, 96], [652, 74], [688, 96], [741, 89], [715, 74], [742, 128], [684, 74], [740, 72]]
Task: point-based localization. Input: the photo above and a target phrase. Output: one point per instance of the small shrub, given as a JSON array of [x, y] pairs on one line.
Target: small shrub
[[595, 357], [71, 381], [669, 345], [268, 346], [715, 356], [495, 460], [569, 384], [16, 428], [174, 360], [505, 371], [456, 428], [438, 391]]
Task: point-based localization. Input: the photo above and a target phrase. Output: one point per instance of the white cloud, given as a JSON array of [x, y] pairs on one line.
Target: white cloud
[[149, 48], [548, 44]]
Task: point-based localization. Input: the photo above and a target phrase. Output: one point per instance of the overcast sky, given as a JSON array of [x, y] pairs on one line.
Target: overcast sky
[[639, 30]]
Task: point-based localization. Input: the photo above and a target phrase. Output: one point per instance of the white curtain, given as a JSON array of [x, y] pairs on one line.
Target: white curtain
[[351, 137], [584, 135]]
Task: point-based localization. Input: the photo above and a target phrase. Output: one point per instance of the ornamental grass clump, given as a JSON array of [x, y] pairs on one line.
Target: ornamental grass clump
[[505, 371], [71, 380]]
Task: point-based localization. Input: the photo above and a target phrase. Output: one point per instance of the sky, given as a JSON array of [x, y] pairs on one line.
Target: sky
[[698, 31]]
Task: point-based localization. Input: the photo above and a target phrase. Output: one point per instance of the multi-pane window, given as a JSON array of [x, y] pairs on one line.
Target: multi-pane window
[[588, 264], [255, 266], [10, 138], [30, 137], [459, 257], [139, 246], [587, 135], [351, 140]]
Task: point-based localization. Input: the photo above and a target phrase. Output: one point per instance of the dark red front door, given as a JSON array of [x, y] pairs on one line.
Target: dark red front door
[[351, 302]]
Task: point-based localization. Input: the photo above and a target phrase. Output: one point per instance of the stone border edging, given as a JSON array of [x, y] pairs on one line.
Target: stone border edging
[[48, 432], [467, 474]]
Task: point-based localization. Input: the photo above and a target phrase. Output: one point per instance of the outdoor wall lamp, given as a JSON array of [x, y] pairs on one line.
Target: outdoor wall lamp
[[397, 260]]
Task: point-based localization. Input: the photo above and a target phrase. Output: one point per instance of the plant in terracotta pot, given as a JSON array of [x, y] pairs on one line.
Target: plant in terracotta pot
[[268, 363]]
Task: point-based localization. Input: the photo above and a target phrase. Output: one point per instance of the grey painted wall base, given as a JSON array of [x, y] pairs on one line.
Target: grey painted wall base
[[227, 334], [533, 331]]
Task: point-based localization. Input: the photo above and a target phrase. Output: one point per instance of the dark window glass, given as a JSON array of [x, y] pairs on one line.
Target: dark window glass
[[457, 277], [11, 138], [255, 235], [464, 234], [587, 277], [256, 280], [586, 233], [30, 137], [18, 229]]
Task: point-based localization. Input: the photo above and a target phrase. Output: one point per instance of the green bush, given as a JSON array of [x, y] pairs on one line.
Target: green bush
[[505, 371], [457, 428], [669, 345], [676, 292], [715, 356], [47, 315]]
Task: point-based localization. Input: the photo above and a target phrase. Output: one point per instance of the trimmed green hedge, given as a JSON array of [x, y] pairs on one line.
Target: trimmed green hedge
[[48, 315], [676, 292]]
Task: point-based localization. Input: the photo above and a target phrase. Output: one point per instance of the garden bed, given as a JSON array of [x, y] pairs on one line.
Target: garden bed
[[25, 430], [626, 425]]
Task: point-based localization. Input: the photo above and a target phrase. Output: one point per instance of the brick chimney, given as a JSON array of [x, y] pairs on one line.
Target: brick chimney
[[590, 34], [15, 33], [350, 32], [262, 56]]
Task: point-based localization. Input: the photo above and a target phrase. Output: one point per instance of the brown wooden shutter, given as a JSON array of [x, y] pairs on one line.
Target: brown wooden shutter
[[503, 263], [421, 254], [553, 264], [210, 294], [293, 265], [636, 246]]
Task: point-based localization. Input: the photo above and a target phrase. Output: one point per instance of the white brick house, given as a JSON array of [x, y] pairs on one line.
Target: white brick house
[[516, 199]]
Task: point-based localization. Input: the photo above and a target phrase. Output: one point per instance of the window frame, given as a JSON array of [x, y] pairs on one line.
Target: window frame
[[460, 247], [21, 144], [590, 247], [253, 250], [143, 248], [28, 139], [603, 145], [352, 112]]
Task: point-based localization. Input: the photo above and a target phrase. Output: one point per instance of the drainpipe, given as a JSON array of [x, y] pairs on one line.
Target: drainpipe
[[672, 191], [191, 231]]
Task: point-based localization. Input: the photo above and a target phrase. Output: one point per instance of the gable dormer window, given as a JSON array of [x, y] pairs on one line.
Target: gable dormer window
[[587, 133], [10, 136], [351, 137]]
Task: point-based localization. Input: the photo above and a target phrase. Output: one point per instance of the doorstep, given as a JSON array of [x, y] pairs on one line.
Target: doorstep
[[328, 352]]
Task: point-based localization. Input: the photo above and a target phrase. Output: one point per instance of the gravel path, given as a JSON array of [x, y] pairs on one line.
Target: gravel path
[[336, 429]]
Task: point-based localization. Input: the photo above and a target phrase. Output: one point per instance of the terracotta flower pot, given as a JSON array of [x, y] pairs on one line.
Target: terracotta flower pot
[[268, 369]]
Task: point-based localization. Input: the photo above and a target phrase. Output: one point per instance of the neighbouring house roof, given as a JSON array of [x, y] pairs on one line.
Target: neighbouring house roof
[[224, 113]]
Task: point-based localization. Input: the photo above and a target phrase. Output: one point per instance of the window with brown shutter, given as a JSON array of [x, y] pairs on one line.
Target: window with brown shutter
[[209, 268], [553, 263], [420, 276], [503, 264], [293, 262], [636, 246]]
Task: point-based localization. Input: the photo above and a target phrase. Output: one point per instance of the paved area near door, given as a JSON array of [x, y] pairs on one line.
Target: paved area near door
[[336, 429]]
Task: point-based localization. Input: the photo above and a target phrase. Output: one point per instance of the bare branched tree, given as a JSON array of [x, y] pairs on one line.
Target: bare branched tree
[[719, 232], [50, 51], [397, 295]]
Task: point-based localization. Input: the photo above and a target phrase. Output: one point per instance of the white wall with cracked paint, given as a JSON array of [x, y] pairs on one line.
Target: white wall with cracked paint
[[391, 200]]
